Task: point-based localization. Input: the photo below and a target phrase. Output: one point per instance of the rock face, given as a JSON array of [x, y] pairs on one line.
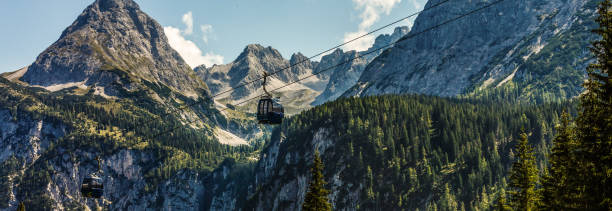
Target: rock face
[[300, 66], [110, 37], [383, 41], [342, 77], [479, 49], [22, 141], [283, 194]]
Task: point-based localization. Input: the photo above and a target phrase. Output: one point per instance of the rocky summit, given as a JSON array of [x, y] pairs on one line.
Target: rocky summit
[[110, 40]]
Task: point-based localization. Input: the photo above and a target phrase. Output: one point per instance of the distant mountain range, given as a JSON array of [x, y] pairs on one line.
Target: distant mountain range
[[329, 84], [249, 67]]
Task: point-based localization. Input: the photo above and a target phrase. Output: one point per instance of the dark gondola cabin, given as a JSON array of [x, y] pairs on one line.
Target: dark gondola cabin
[[92, 187], [269, 111]]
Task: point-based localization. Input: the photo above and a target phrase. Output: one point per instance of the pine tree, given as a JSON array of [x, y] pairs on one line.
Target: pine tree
[[557, 183], [501, 204], [523, 177], [594, 122], [447, 200], [316, 197], [21, 207]]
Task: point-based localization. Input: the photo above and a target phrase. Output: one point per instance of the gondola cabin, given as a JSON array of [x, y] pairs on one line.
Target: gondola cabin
[[92, 187], [269, 111]]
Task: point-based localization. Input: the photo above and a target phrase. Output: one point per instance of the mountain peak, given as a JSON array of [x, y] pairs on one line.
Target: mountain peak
[[297, 57], [107, 38], [109, 5], [97, 10], [401, 30], [117, 3], [254, 47], [258, 51]]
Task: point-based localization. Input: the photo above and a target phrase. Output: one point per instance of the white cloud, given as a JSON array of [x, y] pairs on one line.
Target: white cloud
[[372, 9], [206, 30], [407, 22], [370, 13], [189, 50], [416, 4], [188, 21], [360, 44]]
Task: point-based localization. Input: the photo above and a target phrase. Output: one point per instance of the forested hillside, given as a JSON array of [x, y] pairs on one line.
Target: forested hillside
[[66, 131], [402, 152]]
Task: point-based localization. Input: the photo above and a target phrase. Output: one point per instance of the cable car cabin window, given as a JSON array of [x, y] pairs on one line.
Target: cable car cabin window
[[277, 107], [260, 110]]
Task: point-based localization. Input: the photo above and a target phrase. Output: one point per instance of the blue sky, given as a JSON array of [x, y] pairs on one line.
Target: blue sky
[[219, 29]]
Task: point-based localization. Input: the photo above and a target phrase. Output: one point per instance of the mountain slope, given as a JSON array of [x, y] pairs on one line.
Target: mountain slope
[[498, 42], [50, 139], [113, 88], [548, 65], [112, 36], [400, 152]]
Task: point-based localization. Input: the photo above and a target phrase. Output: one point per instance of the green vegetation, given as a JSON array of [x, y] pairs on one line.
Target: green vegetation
[[583, 158], [410, 152], [554, 182], [580, 173], [390, 152], [21, 207], [523, 177], [501, 202], [316, 197], [99, 126]]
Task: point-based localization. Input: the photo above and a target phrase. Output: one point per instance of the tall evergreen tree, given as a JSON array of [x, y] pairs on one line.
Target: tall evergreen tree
[[501, 204], [558, 192], [523, 177], [594, 122], [21, 207], [316, 197]]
